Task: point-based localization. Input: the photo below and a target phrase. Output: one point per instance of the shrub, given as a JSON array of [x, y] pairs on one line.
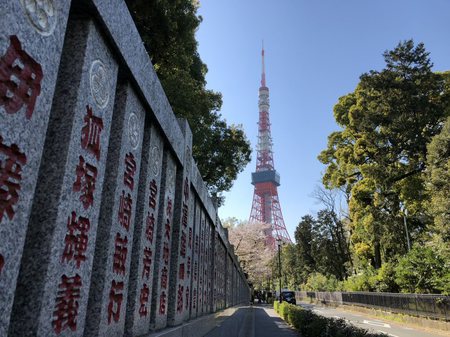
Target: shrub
[[385, 279], [420, 271], [284, 310], [310, 324], [276, 306], [366, 281], [295, 315], [320, 282]]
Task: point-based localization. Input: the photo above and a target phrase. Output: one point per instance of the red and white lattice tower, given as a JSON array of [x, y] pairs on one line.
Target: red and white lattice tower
[[266, 205]]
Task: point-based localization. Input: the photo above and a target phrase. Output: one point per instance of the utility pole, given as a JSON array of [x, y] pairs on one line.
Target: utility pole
[[279, 265]]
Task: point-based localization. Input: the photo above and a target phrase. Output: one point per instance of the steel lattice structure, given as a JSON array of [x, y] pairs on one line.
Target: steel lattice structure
[[266, 205]]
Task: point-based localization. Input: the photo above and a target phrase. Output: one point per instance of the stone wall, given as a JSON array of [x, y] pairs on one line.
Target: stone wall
[[107, 227]]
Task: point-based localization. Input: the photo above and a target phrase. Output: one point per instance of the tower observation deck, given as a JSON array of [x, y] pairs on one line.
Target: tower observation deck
[[266, 205]]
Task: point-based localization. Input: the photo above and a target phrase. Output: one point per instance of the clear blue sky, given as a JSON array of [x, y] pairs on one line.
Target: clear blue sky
[[315, 52]]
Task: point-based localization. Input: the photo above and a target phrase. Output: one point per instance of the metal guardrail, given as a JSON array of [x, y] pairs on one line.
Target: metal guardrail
[[424, 305]]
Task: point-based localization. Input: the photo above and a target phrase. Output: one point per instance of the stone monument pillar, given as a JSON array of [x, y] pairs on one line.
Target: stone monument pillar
[[160, 288], [111, 269], [181, 259], [144, 241], [55, 274], [31, 41]]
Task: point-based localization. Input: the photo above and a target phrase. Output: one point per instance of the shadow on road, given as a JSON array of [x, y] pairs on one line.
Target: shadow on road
[[253, 321]]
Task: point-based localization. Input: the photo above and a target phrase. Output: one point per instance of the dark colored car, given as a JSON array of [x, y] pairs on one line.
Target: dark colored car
[[288, 296]]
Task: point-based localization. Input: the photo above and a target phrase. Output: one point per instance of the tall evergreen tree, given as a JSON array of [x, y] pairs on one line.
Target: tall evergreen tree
[[379, 156]]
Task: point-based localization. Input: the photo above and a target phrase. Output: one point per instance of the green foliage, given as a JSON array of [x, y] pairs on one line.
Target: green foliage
[[322, 248], [365, 281], [168, 31], [438, 161], [320, 282], [284, 309], [380, 155], [310, 324], [422, 270], [385, 279], [294, 316], [276, 306]]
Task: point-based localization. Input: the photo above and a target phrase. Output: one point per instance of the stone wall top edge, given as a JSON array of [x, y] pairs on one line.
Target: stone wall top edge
[[222, 235], [202, 192], [125, 37]]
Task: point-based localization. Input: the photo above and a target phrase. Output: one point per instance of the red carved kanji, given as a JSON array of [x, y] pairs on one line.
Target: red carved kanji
[[187, 297], [2, 263], [195, 270], [188, 272], [90, 133], [10, 178], [194, 298], [85, 182], [147, 261], [181, 272], [183, 244], [125, 208], [120, 254], [143, 300], [66, 303], [169, 207], [164, 277], [130, 170], [190, 237], [196, 243], [180, 298], [115, 301], [20, 79], [76, 240], [167, 229], [153, 194], [150, 227], [166, 252], [186, 189], [184, 216], [162, 303]]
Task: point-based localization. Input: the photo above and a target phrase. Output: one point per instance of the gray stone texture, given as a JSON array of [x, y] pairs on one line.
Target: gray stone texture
[[229, 283], [201, 262], [160, 291], [219, 274], [111, 268], [67, 140], [195, 281], [179, 283], [126, 39], [53, 283], [30, 52], [209, 267], [144, 242]]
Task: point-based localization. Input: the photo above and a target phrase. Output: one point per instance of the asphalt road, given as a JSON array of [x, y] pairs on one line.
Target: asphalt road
[[253, 321], [372, 324]]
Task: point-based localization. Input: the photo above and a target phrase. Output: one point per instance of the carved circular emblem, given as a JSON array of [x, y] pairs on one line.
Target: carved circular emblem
[[99, 81], [41, 14], [133, 130], [155, 157]]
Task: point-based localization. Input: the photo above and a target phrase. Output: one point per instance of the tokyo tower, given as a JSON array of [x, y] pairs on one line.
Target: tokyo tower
[[266, 205]]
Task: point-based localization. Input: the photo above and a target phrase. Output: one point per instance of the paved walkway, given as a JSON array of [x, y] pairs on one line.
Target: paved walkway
[[253, 321]]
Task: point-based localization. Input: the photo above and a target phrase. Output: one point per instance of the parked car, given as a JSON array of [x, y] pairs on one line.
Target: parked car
[[288, 296]]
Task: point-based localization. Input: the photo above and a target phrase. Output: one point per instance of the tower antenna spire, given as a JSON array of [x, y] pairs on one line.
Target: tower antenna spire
[[263, 72]]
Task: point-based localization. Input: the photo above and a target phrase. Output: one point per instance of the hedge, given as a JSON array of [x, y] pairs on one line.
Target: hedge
[[310, 324]]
